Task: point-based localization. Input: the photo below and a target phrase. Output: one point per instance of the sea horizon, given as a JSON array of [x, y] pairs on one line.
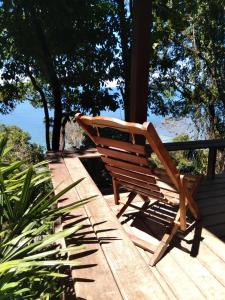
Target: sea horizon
[[31, 120]]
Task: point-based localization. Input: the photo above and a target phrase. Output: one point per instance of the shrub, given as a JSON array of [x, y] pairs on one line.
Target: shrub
[[190, 161], [186, 161], [74, 135], [29, 249], [20, 143]]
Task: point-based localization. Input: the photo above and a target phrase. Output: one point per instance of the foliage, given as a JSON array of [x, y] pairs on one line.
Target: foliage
[[74, 134], [190, 161], [67, 67], [20, 143], [188, 63], [187, 161], [29, 252], [64, 67]]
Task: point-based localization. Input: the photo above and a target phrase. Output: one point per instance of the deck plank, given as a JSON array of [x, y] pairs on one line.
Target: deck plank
[[200, 277], [133, 276], [154, 270], [93, 278], [176, 276], [209, 286], [214, 243], [172, 273], [181, 284], [212, 262]]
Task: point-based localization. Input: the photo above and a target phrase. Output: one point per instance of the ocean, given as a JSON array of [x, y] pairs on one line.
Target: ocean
[[31, 119]]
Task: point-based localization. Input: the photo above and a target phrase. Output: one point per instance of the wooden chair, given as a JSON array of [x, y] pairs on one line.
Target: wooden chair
[[128, 164]]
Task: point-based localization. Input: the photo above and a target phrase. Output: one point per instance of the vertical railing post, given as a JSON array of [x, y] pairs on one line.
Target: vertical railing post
[[211, 163]]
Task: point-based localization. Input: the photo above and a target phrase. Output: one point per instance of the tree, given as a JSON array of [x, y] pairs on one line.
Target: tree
[[187, 69], [124, 33], [22, 148], [65, 65]]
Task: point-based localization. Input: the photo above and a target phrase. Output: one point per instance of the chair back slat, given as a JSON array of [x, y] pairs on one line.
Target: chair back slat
[[165, 182], [120, 125], [126, 166], [143, 191], [117, 144], [146, 178], [147, 182], [122, 155]]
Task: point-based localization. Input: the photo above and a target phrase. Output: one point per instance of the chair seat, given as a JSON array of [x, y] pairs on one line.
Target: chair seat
[[163, 188], [168, 188]]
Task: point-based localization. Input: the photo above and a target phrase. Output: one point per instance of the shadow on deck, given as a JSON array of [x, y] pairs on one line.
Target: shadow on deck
[[111, 269]]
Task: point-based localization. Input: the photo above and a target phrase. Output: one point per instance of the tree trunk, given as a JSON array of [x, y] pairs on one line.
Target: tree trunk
[[53, 80], [45, 106], [126, 56], [212, 121], [57, 116]]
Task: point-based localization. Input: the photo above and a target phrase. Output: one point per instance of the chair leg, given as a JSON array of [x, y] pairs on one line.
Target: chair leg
[[163, 245], [116, 191], [130, 199]]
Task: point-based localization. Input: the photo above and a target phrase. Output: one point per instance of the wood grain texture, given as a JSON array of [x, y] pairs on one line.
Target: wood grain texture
[[183, 187], [176, 276], [127, 166], [143, 177], [133, 276], [139, 160], [114, 143], [93, 279], [110, 122]]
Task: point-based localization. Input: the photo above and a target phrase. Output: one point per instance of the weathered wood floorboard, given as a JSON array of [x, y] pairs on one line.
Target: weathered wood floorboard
[[93, 278], [118, 271], [200, 277], [133, 276]]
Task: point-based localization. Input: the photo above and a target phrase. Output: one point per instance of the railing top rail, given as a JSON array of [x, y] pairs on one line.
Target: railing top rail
[[188, 145]]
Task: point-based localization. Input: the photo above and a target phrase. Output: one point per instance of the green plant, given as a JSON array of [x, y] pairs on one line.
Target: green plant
[[20, 142], [29, 249], [186, 161], [190, 161]]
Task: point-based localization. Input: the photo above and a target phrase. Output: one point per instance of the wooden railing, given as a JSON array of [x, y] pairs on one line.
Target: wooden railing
[[212, 145]]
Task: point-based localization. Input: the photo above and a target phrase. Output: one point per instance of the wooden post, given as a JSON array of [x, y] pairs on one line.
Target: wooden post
[[141, 47], [211, 163]]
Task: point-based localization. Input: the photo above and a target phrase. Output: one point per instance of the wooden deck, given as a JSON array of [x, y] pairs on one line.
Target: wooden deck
[[111, 267]]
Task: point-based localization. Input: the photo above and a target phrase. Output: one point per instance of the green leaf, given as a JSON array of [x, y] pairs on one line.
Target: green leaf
[[9, 286], [56, 237]]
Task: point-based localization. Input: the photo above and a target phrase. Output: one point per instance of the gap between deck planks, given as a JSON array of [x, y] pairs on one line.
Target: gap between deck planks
[[187, 277], [133, 276], [180, 275], [120, 271], [93, 279]]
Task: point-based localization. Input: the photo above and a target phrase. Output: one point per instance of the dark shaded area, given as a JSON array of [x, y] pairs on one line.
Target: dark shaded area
[[157, 219], [99, 174]]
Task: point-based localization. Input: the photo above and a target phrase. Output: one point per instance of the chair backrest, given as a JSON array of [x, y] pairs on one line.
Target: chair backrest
[[128, 162]]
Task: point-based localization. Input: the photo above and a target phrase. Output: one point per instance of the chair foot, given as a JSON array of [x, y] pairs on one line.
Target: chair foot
[[163, 245], [130, 199]]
